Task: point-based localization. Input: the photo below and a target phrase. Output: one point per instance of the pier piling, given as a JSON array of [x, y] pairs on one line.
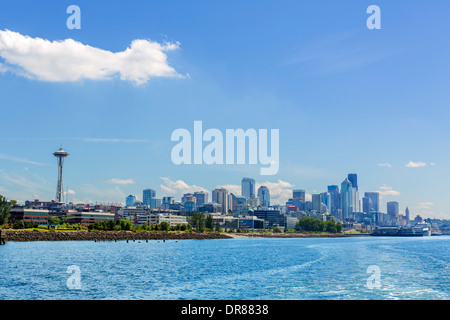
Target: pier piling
[[2, 239]]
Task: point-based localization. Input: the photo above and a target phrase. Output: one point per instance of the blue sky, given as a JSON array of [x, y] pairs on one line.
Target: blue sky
[[345, 98]]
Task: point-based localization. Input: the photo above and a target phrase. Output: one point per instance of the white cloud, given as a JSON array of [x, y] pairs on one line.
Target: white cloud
[[411, 164], [120, 181], [432, 164], [17, 159], [384, 165], [387, 191], [70, 60], [70, 192], [424, 205], [179, 187]]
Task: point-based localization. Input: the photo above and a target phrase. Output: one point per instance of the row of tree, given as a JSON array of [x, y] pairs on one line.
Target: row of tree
[[310, 224], [201, 222], [127, 225]]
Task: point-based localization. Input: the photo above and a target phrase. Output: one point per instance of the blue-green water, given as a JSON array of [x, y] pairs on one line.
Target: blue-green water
[[410, 268]]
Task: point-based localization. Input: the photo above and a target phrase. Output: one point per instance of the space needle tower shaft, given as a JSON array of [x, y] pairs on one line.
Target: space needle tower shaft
[[60, 155]]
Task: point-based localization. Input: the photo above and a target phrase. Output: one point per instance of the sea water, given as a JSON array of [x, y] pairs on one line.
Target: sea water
[[237, 269]]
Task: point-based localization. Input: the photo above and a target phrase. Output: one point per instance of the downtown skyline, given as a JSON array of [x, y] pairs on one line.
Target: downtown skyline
[[345, 99]]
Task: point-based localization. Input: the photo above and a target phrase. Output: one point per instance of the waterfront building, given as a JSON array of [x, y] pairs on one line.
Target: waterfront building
[[86, 218], [291, 221], [264, 196], [250, 223], [136, 214], [172, 219], [272, 218], [248, 187], [40, 217]]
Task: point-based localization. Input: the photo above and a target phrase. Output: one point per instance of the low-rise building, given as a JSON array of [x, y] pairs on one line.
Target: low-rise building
[[172, 219], [85, 218], [29, 215]]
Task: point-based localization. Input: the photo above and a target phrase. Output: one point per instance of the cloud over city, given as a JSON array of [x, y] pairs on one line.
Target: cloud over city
[[387, 191], [120, 181], [178, 187], [71, 61]]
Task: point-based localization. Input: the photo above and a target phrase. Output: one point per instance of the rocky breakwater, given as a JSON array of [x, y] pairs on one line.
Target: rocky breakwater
[[11, 235]]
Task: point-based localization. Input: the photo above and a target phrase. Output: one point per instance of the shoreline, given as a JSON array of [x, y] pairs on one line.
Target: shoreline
[[28, 236]]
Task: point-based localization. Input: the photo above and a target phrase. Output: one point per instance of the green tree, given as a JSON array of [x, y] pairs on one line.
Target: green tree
[[164, 226], [338, 227], [276, 230], [54, 221], [217, 227], [309, 224], [4, 210], [209, 223], [198, 221]]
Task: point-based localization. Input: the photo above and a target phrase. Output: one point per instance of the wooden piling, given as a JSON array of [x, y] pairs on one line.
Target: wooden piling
[[2, 239]]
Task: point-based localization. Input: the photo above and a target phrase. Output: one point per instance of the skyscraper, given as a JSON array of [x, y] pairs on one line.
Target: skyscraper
[[325, 198], [202, 198], [407, 216], [264, 196], [335, 199], [316, 202], [371, 202], [220, 196], [130, 200], [393, 212], [167, 201], [299, 195], [353, 178], [346, 199], [248, 187], [147, 195]]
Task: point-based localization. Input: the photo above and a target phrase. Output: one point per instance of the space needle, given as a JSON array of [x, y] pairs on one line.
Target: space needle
[[60, 155]]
